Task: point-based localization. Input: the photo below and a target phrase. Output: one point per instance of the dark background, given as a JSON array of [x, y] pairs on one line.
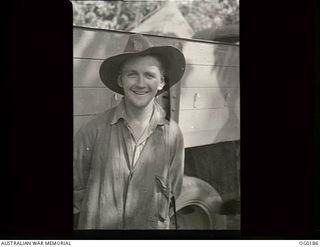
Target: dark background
[[279, 124]]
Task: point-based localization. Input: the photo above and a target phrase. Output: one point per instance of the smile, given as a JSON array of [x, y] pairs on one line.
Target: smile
[[140, 92]]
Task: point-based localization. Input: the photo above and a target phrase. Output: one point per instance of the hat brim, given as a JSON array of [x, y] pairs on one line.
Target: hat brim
[[171, 57]]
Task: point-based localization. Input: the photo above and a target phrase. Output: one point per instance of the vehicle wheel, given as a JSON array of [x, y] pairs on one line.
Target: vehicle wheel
[[198, 206]]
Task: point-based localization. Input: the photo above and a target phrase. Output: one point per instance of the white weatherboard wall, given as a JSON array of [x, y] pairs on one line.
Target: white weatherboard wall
[[210, 94], [205, 103]]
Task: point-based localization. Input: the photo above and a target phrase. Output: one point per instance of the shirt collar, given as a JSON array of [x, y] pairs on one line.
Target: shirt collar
[[119, 112], [157, 118]]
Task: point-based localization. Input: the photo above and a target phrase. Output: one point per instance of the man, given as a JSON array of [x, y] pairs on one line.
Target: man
[[128, 161]]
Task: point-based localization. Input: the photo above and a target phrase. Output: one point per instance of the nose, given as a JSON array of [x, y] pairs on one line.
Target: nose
[[140, 82]]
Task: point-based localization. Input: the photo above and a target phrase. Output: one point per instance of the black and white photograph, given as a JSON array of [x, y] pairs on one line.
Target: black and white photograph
[[156, 111], [124, 120]]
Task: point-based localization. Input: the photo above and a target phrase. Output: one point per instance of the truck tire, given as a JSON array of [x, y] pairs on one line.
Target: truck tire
[[198, 206]]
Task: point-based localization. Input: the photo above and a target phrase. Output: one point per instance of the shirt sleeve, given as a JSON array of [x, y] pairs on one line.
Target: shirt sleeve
[[81, 165], [177, 161]]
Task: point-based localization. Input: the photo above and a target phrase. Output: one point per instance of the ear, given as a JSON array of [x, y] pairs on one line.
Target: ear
[[119, 81], [161, 85]]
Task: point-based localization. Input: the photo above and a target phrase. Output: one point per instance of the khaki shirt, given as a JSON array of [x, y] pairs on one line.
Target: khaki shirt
[[116, 189]]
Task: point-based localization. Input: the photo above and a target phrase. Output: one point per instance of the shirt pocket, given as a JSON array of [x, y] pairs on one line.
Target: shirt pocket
[[163, 198]]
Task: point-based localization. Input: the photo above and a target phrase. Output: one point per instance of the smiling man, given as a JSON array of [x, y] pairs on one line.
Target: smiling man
[[129, 160]]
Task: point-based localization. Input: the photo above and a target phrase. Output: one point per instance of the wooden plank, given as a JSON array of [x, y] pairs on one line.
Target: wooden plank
[[211, 54], [78, 121], [86, 73], [91, 100], [233, 98], [206, 137], [210, 76], [208, 119], [99, 44], [199, 98]]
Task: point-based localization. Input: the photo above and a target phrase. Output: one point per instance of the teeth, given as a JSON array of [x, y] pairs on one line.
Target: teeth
[[140, 93]]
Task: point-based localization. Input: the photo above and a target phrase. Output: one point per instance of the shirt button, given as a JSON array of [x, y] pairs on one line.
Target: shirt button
[[87, 148]]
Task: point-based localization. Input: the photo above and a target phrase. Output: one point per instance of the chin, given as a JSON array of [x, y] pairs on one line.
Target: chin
[[140, 103]]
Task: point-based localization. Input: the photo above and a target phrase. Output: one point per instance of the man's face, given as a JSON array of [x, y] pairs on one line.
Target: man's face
[[140, 79]]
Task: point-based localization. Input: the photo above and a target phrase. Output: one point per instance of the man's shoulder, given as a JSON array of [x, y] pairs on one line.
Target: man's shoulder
[[173, 128], [173, 136], [99, 121], [172, 123]]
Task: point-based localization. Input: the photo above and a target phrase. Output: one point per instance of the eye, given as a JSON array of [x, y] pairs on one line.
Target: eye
[[150, 75], [131, 74]]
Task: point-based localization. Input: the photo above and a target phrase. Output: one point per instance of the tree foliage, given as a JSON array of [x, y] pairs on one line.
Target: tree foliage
[[122, 15], [210, 13]]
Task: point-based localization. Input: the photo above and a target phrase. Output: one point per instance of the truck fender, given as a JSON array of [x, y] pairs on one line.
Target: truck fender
[[198, 206]]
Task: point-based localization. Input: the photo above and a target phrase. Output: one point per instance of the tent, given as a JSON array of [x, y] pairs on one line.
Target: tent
[[167, 21]]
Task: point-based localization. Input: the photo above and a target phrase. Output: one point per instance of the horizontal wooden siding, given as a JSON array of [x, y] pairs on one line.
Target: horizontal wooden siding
[[205, 103]]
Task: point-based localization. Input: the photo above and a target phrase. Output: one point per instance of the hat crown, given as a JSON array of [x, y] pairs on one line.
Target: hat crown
[[137, 43]]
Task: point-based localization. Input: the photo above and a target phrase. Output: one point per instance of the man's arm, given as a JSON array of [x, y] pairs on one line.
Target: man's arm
[[83, 145], [177, 160]]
